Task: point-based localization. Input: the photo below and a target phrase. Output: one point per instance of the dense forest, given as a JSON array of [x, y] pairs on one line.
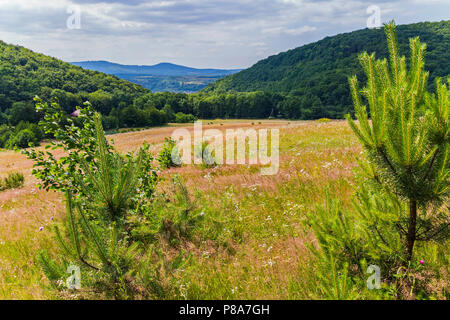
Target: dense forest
[[314, 77], [309, 82]]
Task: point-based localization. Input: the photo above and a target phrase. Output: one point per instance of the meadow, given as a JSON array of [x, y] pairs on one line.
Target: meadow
[[259, 253], [242, 235]]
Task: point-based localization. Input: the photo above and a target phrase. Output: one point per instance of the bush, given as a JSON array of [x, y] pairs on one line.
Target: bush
[[12, 181], [104, 191], [76, 135], [172, 216], [184, 118], [167, 154], [108, 188], [24, 139], [21, 136], [350, 239], [402, 197], [154, 117]]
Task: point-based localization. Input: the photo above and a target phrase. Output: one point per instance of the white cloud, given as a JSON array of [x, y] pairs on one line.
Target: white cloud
[[289, 31], [200, 33]]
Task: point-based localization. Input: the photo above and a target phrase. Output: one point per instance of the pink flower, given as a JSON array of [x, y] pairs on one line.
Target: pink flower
[[422, 262], [76, 113]]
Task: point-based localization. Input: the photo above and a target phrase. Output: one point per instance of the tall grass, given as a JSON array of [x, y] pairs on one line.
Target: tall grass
[[247, 235], [12, 181]]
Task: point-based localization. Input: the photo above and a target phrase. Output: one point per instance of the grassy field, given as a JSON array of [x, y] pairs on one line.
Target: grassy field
[[251, 244]]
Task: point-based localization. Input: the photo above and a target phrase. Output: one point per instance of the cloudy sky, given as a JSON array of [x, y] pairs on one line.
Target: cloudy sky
[[197, 33]]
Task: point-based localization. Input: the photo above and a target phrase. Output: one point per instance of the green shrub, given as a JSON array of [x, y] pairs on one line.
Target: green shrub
[[323, 120], [98, 247], [350, 239], [23, 139], [172, 217], [77, 135], [102, 188], [21, 136], [184, 118], [12, 181], [97, 239], [402, 196], [407, 142], [169, 156]]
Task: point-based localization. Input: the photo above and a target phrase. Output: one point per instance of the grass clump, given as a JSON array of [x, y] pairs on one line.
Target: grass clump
[[206, 153], [323, 120], [12, 181]]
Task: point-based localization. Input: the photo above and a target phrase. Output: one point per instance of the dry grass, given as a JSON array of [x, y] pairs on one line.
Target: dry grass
[[313, 157]]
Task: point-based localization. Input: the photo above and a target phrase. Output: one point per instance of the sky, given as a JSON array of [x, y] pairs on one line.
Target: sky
[[230, 34]]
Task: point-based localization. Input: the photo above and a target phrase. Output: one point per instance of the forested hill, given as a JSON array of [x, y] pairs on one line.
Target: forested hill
[[317, 73], [25, 74]]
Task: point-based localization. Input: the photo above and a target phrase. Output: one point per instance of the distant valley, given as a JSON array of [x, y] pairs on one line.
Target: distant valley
[[161, 77]]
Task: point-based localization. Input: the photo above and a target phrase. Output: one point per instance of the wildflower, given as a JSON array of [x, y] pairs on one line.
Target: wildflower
[[41, 228], [76, 113], [422, 262]]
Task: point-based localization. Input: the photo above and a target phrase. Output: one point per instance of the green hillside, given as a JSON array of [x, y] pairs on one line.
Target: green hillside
[[25, 74], [315, 75]]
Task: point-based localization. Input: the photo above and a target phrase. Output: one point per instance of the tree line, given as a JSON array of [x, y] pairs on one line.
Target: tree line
[[156, 109]]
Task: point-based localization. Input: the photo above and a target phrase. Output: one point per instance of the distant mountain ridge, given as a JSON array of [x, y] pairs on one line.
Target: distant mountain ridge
[[160, 69], [160, 77]]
